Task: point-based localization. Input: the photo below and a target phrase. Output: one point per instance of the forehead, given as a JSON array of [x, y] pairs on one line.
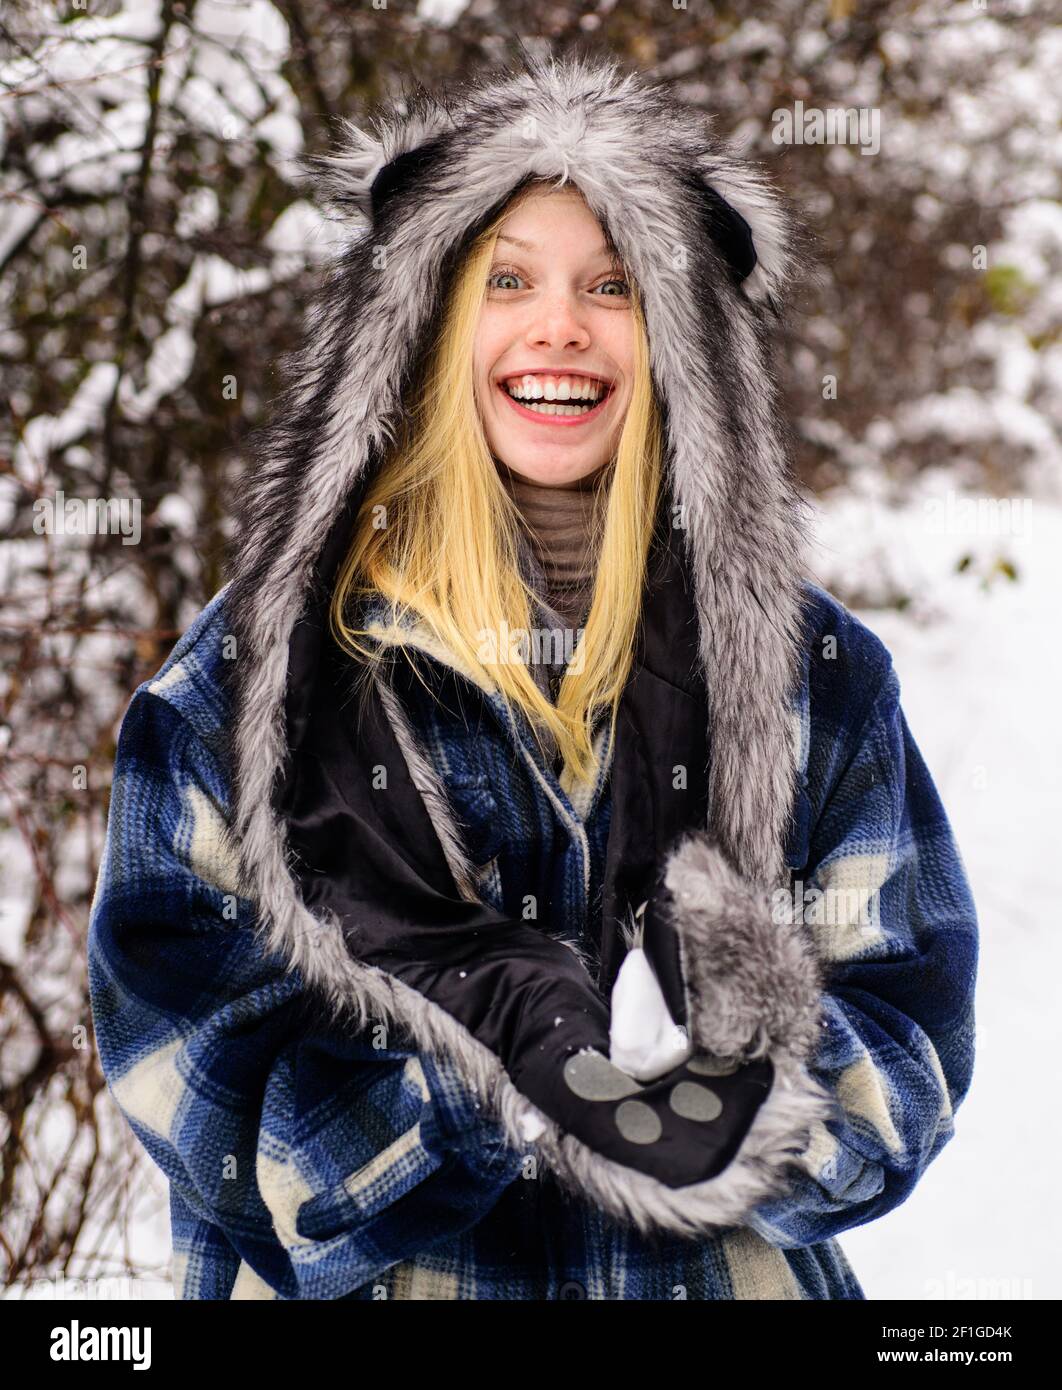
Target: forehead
[[544, 204]]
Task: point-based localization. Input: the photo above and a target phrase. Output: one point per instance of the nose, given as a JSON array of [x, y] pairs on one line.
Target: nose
[[557, 323]]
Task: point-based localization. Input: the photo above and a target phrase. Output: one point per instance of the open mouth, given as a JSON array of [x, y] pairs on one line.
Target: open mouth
[[563, 399]]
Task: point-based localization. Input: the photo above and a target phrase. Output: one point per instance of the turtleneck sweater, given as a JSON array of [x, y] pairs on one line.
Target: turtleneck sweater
[[559, 523]]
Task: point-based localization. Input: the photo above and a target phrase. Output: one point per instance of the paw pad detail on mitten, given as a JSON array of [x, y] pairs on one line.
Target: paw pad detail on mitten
[[641, 1115]]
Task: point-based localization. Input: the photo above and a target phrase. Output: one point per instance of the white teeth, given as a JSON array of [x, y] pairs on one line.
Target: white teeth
[[563, 388], [556, 408]]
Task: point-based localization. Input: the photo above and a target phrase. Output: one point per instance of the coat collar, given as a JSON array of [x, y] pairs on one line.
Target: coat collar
[[387, 628]]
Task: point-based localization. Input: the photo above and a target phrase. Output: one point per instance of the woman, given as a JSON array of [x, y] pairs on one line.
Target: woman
[[453, 937]]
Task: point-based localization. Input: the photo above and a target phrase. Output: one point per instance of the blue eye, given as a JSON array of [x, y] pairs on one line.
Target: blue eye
[[507, 272], [501, 274]]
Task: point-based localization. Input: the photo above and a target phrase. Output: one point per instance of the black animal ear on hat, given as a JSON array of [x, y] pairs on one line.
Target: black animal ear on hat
[[398, 172], [365, 166], [342, 177], [730, 232], [752, 223]]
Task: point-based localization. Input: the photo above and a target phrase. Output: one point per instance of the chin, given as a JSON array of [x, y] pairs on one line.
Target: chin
[[548, 472]]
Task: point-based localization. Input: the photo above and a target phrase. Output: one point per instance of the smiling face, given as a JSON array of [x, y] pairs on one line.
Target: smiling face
[[554, 350]]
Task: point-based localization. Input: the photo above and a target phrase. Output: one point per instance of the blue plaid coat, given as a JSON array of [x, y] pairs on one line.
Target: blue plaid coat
[[306, 1162]]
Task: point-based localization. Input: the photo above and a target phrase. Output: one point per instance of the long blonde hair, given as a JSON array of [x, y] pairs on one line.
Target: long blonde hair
[[448, 551]]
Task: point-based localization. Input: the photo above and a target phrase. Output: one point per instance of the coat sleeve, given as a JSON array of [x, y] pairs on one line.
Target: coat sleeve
[[896, 932], [324, 1156]]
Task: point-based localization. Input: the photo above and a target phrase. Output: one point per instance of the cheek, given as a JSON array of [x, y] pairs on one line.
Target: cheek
[[620, 345], [487, 348]]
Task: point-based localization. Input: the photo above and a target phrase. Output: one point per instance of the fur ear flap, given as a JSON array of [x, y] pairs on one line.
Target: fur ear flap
[[775, 231], [343, 177]]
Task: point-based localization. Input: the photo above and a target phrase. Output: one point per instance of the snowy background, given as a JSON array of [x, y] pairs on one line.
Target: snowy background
[[980, 681], [156, 246]]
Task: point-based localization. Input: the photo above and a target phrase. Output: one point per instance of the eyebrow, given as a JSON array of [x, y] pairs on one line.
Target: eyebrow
[[602, 250]]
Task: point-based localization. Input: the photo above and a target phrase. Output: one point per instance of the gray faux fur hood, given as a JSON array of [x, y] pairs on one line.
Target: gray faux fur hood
[[714, 251]]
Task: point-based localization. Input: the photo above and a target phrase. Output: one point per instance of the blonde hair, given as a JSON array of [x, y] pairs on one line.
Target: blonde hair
[[448, 551]]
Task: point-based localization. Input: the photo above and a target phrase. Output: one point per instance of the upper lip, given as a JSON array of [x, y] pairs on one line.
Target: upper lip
[[556, 371]]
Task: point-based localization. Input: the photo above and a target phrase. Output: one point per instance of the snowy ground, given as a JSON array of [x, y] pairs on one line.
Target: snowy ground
[[981, 682]]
